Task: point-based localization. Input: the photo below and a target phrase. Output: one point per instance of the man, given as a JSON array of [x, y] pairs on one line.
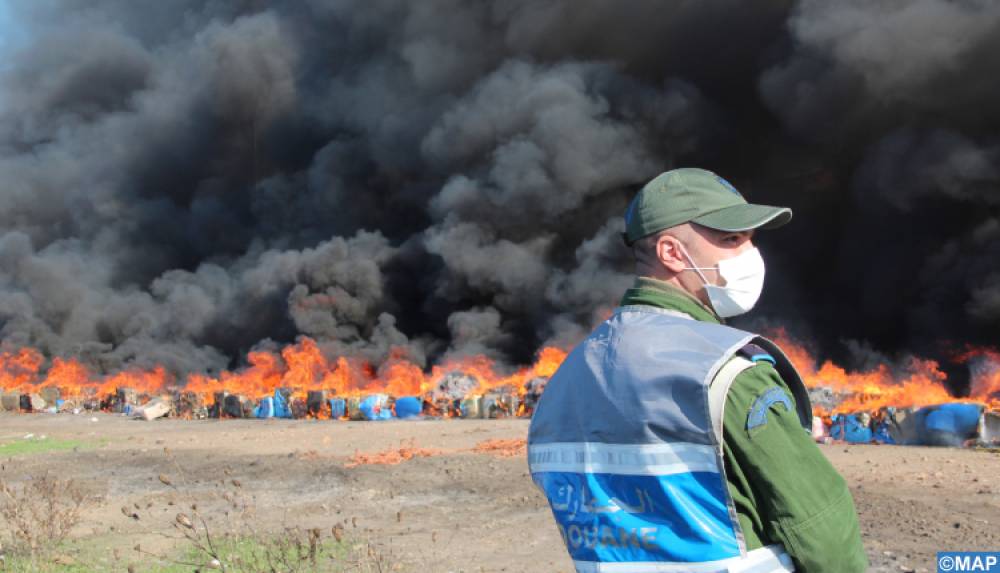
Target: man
[[667, 441]]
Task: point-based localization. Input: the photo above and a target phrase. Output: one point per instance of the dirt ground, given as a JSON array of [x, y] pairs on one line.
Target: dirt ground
[[457, 511]]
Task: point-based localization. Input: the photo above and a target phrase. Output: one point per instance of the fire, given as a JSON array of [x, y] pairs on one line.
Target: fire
[[918, 383], [19, 370], [302, 369], [985, 366], [297, 368]]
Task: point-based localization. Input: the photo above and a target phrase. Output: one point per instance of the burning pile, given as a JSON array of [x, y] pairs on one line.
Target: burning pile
[[297, 382], [914, 408], [879, 405]]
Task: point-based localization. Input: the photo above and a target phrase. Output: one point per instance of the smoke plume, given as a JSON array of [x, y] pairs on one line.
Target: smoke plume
[[183, 182]]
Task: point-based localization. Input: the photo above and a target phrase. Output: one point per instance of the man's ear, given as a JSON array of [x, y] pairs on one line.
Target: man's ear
[[668, 251]]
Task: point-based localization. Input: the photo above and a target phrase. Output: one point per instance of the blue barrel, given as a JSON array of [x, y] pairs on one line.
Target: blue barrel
[[376, 407], [282, 409], [409, 407], [883, 433], [950, 424], [849, 428], [265, 409], [338, 407]]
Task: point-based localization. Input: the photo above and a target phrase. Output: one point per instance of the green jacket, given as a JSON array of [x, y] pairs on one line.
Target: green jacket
[[784, 488]]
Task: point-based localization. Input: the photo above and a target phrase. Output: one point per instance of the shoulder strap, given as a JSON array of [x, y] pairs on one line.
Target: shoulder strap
[[719, 389], [761, 350]]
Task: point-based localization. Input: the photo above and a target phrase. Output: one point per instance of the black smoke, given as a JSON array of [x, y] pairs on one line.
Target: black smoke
[[183, 181]]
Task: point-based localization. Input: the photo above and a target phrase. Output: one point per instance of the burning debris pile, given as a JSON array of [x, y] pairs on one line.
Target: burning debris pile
[[298, 382], [889, 405], [949, 424], [913, 408], [878, 406]]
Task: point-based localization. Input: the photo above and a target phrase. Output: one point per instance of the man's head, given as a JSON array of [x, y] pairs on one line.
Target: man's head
[[684, 222]]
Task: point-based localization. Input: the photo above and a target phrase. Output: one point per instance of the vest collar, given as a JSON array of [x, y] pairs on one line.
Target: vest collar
[[656, 293]]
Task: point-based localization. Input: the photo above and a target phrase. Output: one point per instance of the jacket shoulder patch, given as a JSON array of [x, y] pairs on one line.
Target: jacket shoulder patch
[[760, 406]]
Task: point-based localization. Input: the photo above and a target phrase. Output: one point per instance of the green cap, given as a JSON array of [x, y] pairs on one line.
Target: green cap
[[696, 196]]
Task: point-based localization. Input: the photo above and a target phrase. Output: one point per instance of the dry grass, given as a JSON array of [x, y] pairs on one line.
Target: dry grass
[[40, 513], [228, 535]]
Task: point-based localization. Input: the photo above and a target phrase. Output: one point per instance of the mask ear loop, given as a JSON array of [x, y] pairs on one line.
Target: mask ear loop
[[696, 268]]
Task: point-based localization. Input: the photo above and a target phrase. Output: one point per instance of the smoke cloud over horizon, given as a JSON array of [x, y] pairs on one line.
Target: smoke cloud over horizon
[[182, 183]]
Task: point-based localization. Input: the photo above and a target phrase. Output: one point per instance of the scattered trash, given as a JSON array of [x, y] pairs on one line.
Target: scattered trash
[[902, 426], [123, 401], [457, 395], [852, 428], [500, 405], [188, 405], [455, 386], [824, 398], [155, 408], [954, 424]]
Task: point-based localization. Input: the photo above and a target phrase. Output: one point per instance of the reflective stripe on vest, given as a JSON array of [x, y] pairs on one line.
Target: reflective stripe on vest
[[623, 443]]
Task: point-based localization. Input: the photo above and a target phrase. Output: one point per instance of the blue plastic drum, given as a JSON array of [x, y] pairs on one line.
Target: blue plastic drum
[[338, 408], [376, 407], [950, 424], [409, 407], [265, 409]]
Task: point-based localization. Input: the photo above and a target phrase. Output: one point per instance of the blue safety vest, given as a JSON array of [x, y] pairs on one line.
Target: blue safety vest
[[626, 445]]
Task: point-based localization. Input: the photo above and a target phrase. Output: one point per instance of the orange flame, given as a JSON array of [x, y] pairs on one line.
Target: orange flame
[[985, 366], [18, 370], [299, 368], [303, 367], [918, 383]]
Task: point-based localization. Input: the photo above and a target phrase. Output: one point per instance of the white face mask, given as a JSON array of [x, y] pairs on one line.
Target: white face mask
[[744, 276]]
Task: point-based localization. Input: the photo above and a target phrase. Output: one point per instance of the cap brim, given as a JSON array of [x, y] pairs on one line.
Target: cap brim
[[745, 217]]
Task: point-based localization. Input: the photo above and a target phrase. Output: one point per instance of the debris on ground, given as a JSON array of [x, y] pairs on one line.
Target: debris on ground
[[393, 456], [503, 448], [155, 408], [954, 424]]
